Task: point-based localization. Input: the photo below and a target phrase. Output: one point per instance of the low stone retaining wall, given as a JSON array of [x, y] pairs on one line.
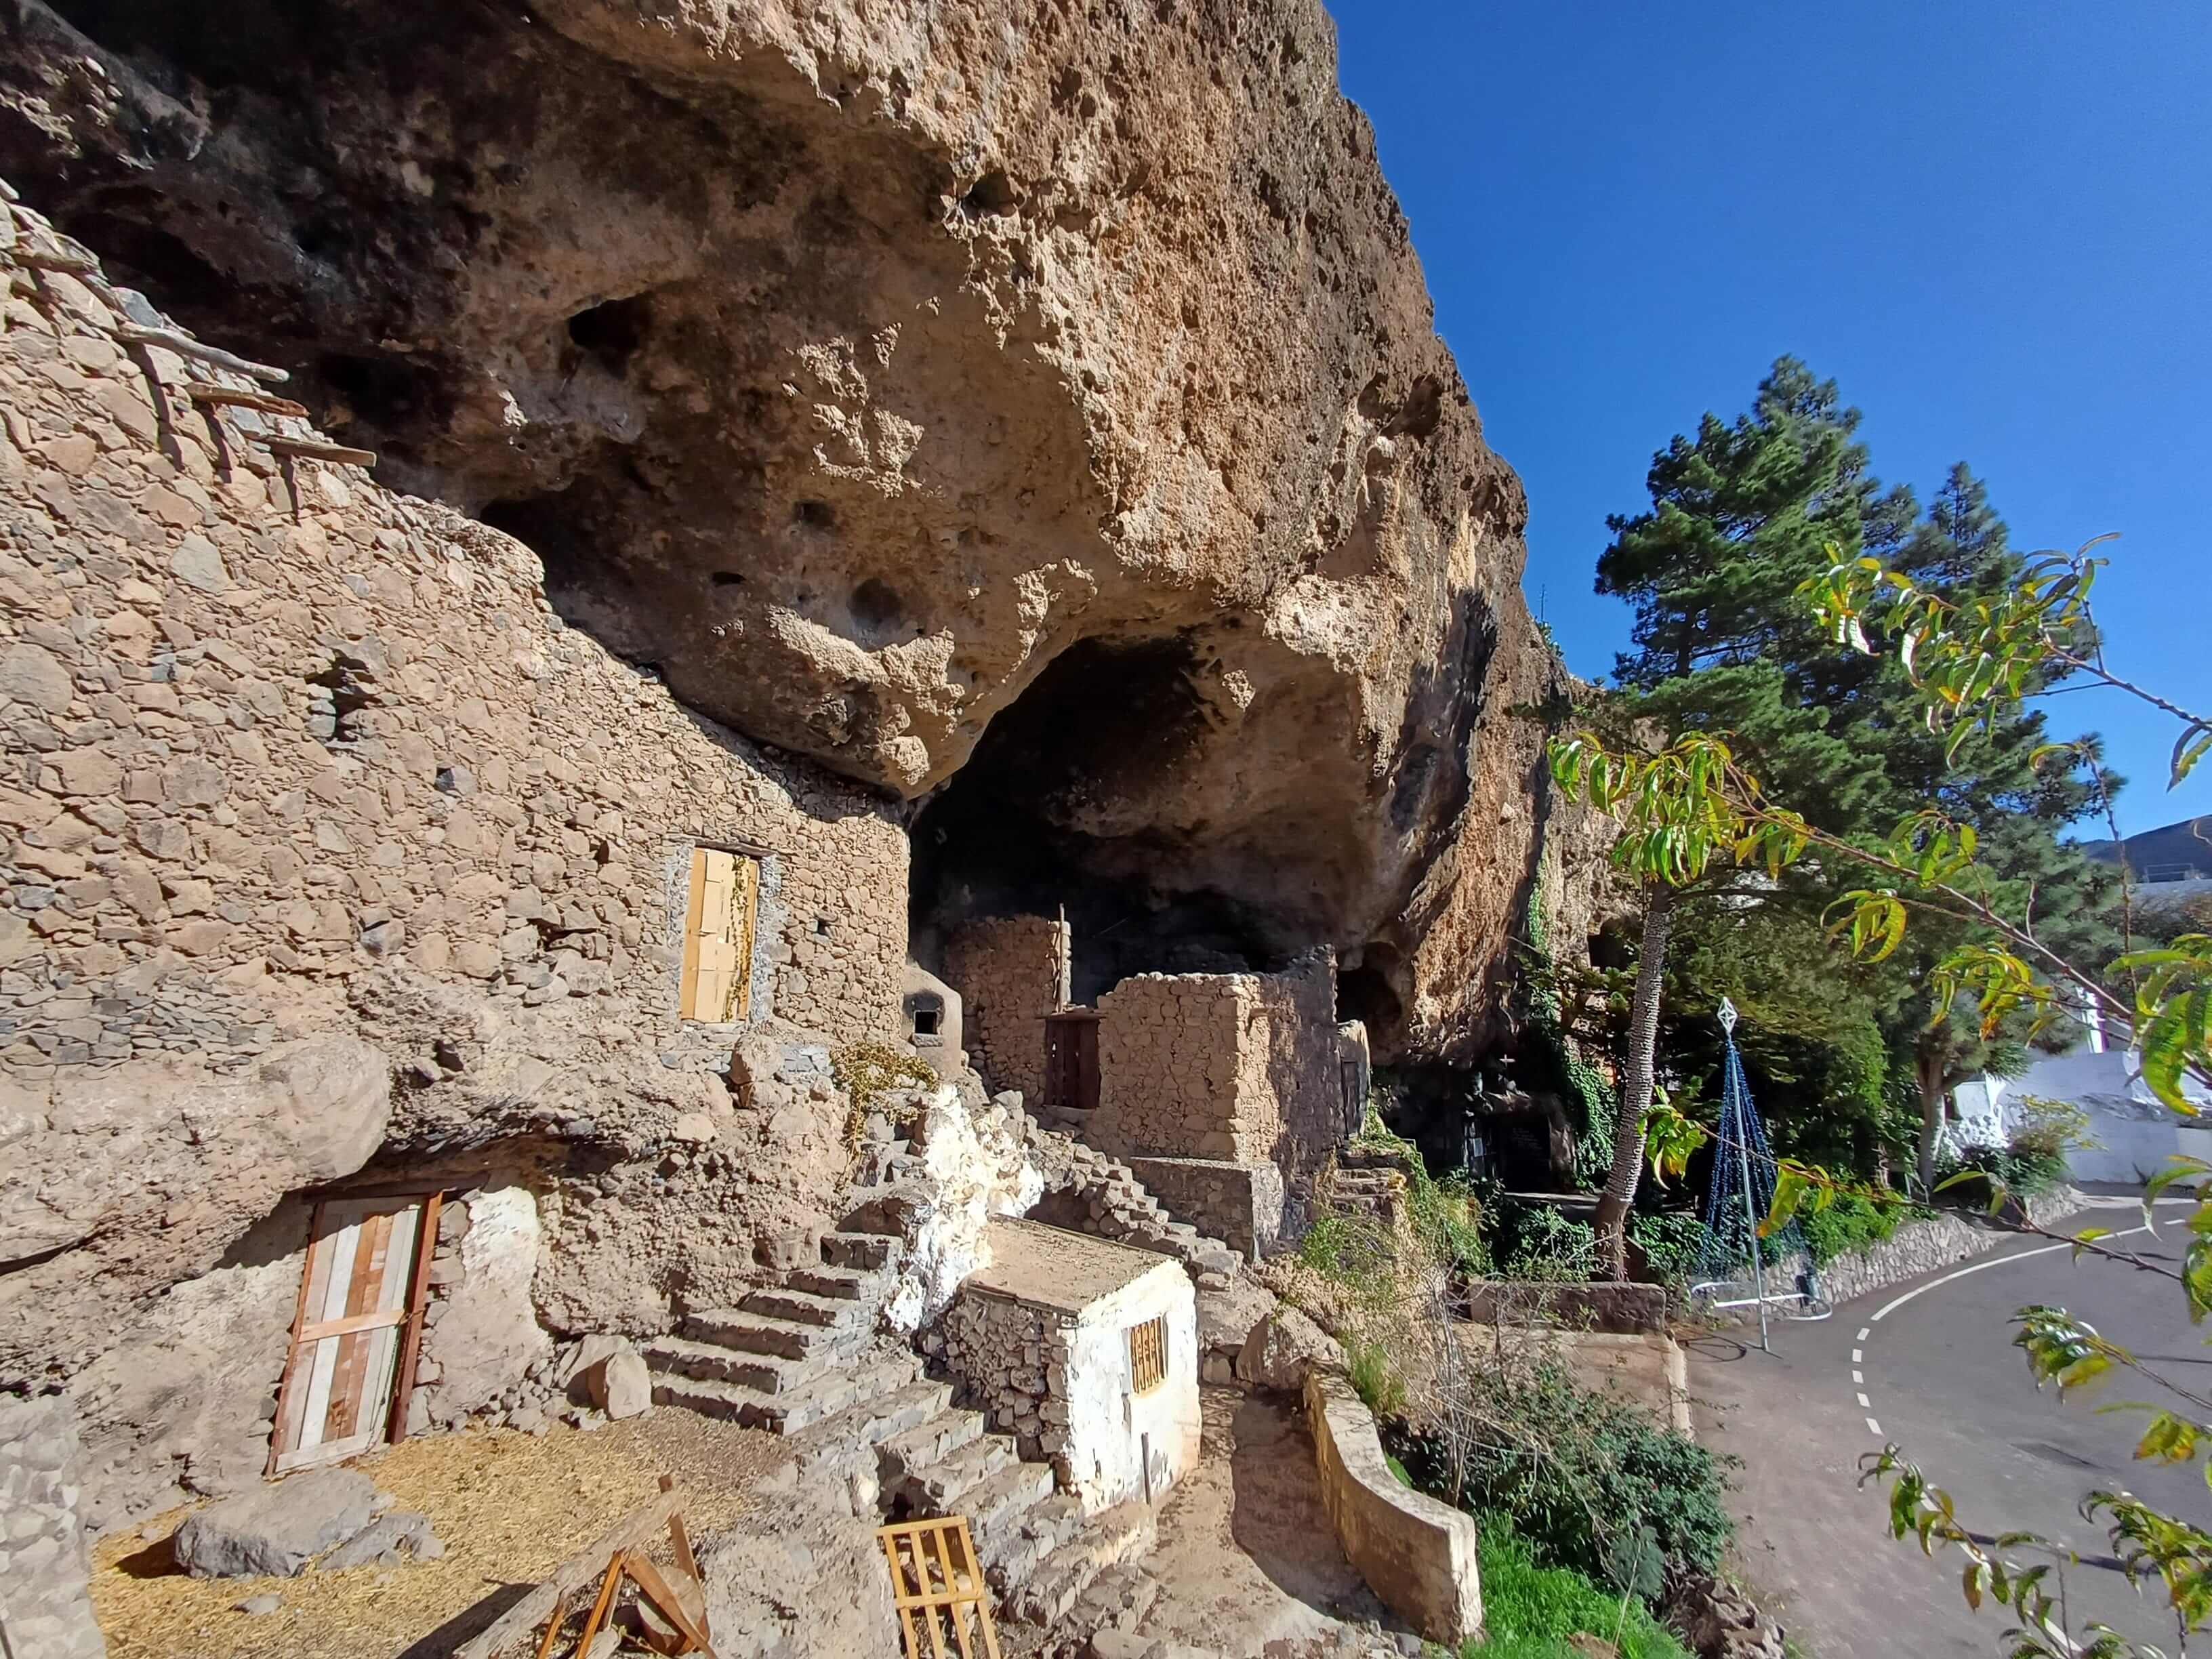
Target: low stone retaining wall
[[45, 1611], [1919, 1247], [1617, 1309], [1240, 1204], [1418, 1554]]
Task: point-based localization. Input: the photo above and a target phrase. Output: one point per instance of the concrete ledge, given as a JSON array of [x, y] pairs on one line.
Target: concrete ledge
[[1418, 1554], [1620, 1310]]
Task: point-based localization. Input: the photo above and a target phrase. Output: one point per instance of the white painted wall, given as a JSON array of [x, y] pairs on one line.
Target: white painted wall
[[2136, 1135], [1109, 1428]]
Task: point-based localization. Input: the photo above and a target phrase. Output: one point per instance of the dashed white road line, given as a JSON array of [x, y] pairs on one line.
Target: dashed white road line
[[1866, 1331]]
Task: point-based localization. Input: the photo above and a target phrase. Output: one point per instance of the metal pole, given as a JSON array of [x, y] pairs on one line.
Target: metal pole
[[1750, 1219]]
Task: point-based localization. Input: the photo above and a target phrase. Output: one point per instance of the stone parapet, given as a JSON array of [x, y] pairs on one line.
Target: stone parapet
[[1418, 1554]]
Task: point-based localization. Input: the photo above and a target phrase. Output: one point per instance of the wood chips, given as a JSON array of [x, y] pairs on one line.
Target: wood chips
[[508, 1506]]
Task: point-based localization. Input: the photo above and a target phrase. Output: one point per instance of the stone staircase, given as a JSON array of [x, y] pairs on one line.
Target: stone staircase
[[804, 1361], [1121, 1209]]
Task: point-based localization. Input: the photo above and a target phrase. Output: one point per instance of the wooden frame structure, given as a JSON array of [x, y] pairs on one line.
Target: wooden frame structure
[[937, 1581], [1148, 1354], [616, 1554]]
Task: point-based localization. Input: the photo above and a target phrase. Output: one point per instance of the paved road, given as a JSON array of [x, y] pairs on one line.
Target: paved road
[[1929, 1365]]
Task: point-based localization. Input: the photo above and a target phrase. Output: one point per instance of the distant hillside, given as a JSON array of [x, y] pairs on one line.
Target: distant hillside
[[2167, 854]]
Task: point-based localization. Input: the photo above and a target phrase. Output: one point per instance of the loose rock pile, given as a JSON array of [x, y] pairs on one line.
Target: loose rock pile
[[333, 1519]]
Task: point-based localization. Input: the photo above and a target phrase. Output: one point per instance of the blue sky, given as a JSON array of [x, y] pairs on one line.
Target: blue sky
[[1992, 224]]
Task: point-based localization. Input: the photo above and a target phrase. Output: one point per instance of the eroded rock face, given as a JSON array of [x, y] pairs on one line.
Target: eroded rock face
[[869, 368]]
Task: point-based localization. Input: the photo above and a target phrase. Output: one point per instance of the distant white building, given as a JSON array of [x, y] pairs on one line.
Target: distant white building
[[2135, 1134]]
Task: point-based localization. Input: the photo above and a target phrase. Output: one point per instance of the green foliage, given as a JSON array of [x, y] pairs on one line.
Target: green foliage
[[1979, 1176], [1353, 1251], [1587, 1087], [1575, 1470], [1445, 1213], [1530, 1610], [1853, 1222], [1536, 1241], [1373, 1377], [1670, 1242]]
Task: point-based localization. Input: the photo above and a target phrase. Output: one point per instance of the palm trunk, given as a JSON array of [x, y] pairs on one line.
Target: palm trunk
[[1635, 1085], [1928, 1071]]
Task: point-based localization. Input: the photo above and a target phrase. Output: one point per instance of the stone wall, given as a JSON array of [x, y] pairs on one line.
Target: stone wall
[[1416, 1554], [330, 854], [1244, 1067], [1241, 1204], [999, 1350], [46, 1611], [1010, 972], [1922, 1246]]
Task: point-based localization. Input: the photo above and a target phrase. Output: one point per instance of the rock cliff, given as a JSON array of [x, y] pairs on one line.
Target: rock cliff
[[885, 374]]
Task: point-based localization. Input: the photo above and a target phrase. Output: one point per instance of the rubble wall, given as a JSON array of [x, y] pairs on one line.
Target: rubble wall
[[1240, 1066], [331, 855], [1010, 972]]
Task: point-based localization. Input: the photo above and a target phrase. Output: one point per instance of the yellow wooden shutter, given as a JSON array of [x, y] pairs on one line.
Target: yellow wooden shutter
[[717, 941]]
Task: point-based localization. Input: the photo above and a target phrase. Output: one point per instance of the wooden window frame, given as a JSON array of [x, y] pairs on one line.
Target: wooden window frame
[[1148, 1354]]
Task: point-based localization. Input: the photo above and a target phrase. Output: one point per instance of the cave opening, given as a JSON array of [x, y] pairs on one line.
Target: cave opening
[[1046, 817], [612, 331]]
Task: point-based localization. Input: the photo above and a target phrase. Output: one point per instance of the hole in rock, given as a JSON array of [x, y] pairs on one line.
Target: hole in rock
[[815, 515], [388, 391], [992, 193], [878, 610], [727, 579], [1051, 813], [612, 331], [1364, 993]]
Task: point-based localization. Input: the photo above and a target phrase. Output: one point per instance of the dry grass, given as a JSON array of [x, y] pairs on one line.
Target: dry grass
[[510, 1507]]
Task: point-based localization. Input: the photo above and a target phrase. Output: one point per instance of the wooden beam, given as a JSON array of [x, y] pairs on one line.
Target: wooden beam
[[515, 1625], [276, 1446], [184, 346], [418, 1297], [206, 392], [309, 449]]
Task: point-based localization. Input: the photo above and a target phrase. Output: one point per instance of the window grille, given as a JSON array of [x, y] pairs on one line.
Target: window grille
[[1148, 1355]]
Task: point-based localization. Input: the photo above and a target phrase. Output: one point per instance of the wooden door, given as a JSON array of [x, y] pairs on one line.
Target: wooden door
[[718, 936], [1071, 1059], [354, 1335]]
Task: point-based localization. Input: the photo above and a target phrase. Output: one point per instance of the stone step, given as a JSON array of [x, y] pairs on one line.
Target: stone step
[[996, 1505], [890, 1209], [1011, 1552], [1118, 1599], [710, 1362], [756, 1332], [803, 1308], [863, 1252], [837, 1284], [915, 1450], [1113, 1536], [862, 1427], [937, 1489], [834, 1390]]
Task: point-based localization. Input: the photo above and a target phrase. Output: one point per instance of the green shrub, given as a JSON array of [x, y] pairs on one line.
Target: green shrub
[[1374, 1378], [1536, 1241], [1670, 1243], [1851, 1223], [1575, 1470], [2025, 1172], [1530, 1610]]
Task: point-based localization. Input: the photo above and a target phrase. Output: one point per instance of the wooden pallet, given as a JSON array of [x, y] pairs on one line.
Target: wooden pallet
[[937, 1583]]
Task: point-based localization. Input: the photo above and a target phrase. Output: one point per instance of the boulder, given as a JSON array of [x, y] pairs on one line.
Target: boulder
[[275, 1532], [1283, 1348], [621, 1386], [1719, 1621], [1228, 1310], [584, 1359]]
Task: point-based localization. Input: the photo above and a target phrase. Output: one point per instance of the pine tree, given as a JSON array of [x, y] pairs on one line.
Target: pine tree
[[1741, 515]]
